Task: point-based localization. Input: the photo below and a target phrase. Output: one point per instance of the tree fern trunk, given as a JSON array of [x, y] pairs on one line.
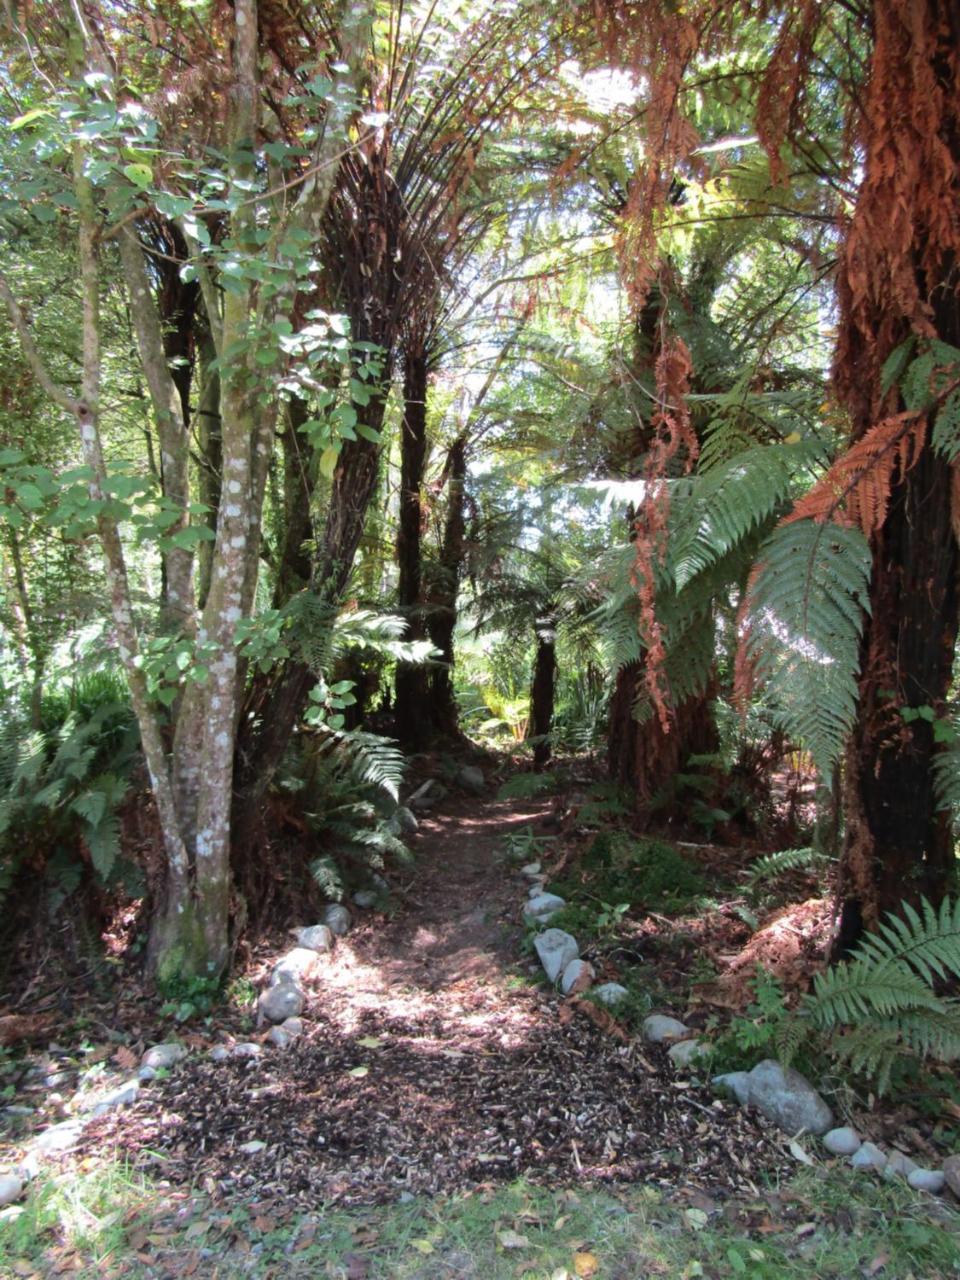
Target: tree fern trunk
[[412, 682], [443, 598], [896, 281], [543, 690]]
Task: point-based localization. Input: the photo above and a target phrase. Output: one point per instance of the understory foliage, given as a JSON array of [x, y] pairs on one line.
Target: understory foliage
[[883, 1002], [61, 787]]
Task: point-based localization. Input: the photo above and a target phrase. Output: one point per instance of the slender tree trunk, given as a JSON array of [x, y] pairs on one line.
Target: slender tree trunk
[[299, 479], [542, 691], [412, 682], [442, 619]]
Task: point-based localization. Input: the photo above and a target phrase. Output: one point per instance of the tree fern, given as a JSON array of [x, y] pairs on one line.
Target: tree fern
[[805, 619], [772, 865], [881, 1003]]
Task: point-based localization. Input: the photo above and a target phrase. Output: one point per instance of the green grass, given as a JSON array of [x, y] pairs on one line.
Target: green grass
[[112, 1223]]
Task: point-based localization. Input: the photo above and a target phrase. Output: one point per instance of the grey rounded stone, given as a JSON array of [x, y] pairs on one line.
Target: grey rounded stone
[[556, 949], [685, 1053], [869, 1156], [738, 1082], [898, 1165], [578, 973], [279, 1038], [302, 964], [931, 1180], [316, 937], [337, 919], [125, 1095], [293, 1026], [786, 1098], [544, 905], [471, 779], [278, 1003], [219, 1053], [610, 993], [161, 1057], [247, 1049], [951, 1173], [365, 899], [59, 1137], [531, 870], [658, 1028], [406, 822], [842, 1142], [11, 1188]]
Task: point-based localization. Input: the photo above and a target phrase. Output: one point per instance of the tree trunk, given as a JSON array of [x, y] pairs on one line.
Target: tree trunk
[[412, 682], [640, 756], [442, 619], [542, 691], [894, 282]]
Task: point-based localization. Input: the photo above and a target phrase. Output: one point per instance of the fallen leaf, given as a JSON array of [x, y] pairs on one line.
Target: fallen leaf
[[370, 1042], [423, 1246], [879, 1262], [585, 1264], [798, 1152], [512, 1240], [695, 1219], [125, 1058], [359, 1072]]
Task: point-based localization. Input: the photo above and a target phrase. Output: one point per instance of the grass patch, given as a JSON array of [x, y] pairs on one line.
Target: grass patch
[[825, 1224]]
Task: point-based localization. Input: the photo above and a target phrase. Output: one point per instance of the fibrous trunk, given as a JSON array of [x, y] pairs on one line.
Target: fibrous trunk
[[412, 680], [542, 691]]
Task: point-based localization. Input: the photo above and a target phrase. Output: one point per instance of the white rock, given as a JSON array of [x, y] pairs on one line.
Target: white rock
[[610, 993], [869, 1156], [405, 821], [316, 937], [59, 1137], [898, 1165], [276, 1004], [738, 1082], [544, 905], [162, 1056], [280, 1038], [471, 779], [293, 1026], [786, 1098], [365, 899], [11, 1188], [219, 1053], [842, 1142], [685, 1053], [302, 964], [247, 1049], [658, 1028], [337, 919], [926, 1180], [577, 976], [556, 949], [125, 1095], [251, 1148], [531, 869]]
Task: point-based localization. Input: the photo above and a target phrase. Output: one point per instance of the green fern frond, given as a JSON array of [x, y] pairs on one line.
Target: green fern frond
[[806, 619], [772, 865]]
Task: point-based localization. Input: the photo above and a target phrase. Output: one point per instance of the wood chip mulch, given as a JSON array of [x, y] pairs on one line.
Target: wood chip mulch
[[425, 1114]]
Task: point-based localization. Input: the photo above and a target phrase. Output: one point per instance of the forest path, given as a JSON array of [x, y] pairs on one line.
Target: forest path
[[448, 949], [428, 1067]]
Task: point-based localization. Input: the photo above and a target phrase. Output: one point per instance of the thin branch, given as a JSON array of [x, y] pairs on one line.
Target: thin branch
[[32, 355]]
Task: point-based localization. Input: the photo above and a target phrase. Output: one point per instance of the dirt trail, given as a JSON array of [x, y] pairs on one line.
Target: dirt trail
[[425, 1069], [447, 950]]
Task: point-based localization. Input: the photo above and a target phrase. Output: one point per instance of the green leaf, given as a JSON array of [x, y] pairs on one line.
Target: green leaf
[[141, 175], [328, 461], [368, 433]]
